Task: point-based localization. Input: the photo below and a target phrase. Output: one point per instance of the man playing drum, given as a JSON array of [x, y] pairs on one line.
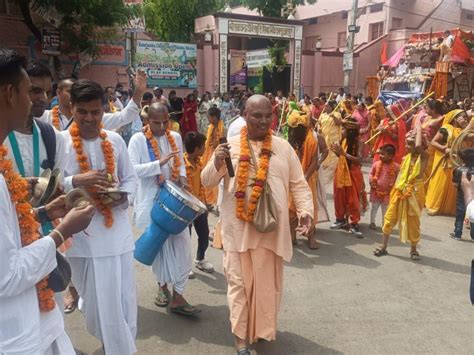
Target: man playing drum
[[253, 261], [157, 155]]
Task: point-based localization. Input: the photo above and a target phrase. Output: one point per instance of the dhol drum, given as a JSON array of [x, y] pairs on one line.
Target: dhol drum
[[173, 211]]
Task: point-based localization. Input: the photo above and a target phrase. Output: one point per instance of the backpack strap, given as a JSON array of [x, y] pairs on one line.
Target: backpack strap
[[49, 139]]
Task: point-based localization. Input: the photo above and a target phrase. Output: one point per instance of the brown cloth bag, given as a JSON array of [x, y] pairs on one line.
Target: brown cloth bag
[[265, 216]]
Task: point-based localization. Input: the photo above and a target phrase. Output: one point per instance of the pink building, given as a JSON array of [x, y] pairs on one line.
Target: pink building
[[324, 37]]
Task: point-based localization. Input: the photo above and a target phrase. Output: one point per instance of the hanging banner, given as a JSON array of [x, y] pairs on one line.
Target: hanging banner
[[238, 69], [168, 65], [258, 58], [50, 42]]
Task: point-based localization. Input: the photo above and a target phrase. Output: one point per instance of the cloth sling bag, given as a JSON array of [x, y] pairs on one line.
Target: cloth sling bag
[[265, 217]]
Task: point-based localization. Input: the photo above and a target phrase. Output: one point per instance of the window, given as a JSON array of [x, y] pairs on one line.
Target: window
[[376, 8], [344, 14], [376, 30], [470, 17], [397, 22], [342, 39], [313, 21]]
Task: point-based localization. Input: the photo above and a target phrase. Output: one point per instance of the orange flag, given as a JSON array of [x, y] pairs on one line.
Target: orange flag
[[383, 53]]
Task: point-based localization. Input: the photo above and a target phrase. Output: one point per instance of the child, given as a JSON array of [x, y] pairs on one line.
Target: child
[[194, 143], [467, 157], [382, 178], [408, 196], [348, 180]]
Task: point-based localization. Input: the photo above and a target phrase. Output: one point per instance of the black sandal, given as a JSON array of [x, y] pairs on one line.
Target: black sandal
[[243, 351], [380, 252], [414, 255]]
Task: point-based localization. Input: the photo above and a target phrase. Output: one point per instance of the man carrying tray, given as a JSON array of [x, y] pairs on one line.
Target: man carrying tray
[[157, 155]]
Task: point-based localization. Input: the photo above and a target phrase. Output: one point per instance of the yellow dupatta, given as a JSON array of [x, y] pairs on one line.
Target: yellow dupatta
[[405, 190], [343, 174]]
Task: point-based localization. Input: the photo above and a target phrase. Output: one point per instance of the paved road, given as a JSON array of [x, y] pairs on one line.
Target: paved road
[[339, 299]]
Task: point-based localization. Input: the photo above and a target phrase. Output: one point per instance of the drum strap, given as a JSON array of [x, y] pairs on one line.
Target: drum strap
[[151, 153]]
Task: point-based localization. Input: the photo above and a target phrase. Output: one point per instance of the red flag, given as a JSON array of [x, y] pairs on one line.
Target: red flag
[[459, 51], [383, 53]]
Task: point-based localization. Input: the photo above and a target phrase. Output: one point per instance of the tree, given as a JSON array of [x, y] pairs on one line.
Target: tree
[[173, 20], [83, 23], [272, 8]]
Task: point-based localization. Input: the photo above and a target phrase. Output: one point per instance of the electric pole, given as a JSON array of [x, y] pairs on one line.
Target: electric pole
[[348, 54]]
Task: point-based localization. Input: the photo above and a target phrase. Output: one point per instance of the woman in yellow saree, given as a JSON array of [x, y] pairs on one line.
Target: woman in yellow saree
[[441, 193], [330, 128]]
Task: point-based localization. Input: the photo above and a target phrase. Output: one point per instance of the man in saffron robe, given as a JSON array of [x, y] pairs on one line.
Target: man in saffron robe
[[253, 261]]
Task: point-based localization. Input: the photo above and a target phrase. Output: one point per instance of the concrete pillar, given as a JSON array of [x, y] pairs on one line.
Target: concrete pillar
[[317, 67]]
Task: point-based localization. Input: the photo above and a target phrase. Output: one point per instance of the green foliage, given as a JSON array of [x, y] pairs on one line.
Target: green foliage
[[271, 8], [258, 89], [84, 22], [173, 20]]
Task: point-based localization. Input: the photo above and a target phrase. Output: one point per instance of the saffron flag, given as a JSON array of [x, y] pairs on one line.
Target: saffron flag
[[383, 53]]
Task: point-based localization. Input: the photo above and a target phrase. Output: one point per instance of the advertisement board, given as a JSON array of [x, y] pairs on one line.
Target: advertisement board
[[168, 65]]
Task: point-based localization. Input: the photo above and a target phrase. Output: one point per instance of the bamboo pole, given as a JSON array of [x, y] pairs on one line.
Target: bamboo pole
[[401, 115]]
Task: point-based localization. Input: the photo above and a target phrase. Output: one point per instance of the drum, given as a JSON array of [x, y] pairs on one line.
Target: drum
[[173, 211]]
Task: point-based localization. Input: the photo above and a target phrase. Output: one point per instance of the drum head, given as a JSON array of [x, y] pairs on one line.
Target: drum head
[[187, 198]]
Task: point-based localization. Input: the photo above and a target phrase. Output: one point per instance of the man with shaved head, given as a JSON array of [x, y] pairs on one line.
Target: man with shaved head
[[157, 155], [253, 254]]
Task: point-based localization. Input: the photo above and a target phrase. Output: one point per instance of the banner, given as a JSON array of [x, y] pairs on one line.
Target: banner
[[168, 65], [238, 69], [389, 97], [258, 59], [51, 42]]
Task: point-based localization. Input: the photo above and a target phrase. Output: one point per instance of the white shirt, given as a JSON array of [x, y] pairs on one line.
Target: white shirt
[[102, 241], [109, 120], [235, 127], [25, 146], [148, 171], [21, 268]]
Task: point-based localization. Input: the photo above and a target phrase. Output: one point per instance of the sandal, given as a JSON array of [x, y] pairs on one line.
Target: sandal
[[414, 255], [70, 307], [185, 310], [162, 299], [380, 252], [243, 351]]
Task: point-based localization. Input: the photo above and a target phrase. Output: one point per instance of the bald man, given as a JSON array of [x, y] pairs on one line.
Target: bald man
[[253, 261], [173, 263]]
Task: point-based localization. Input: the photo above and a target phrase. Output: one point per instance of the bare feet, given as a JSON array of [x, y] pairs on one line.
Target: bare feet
[[312, 242]]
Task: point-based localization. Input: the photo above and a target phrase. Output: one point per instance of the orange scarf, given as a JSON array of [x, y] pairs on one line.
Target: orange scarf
[[309, 149], [343, 173]]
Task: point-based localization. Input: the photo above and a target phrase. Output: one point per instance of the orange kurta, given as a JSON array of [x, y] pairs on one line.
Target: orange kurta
[[214, 134]]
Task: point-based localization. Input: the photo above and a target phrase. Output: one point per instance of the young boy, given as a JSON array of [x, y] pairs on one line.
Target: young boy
[[194, 143], [348, 179], [382, 178], [467, 157], [408, 196]]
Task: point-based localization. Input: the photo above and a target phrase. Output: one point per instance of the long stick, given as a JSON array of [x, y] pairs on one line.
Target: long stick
[[401, 115], [281, 116]]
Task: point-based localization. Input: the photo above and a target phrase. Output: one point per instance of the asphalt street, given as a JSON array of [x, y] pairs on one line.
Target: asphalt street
[[340, 299]]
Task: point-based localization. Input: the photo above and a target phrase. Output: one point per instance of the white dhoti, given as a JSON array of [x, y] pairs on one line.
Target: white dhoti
[[173, 263], [61, 346], [108, 300], [54, 340]]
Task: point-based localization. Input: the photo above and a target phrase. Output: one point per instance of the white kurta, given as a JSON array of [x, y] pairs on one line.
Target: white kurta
[[25, 146], [109, 120], [22, 268], [174, 262], [101, 262]]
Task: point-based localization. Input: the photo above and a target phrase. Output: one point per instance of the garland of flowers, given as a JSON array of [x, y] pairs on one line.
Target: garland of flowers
[[375, 178], [189, 174], [18, 189], [55, 114], [108, 151], [243, 175], [156, 150]]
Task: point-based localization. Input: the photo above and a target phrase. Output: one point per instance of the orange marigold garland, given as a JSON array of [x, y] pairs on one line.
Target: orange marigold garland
[[18, 189], [375, 178], [108, 151], [243, 175], [156, 150], [55, 114]]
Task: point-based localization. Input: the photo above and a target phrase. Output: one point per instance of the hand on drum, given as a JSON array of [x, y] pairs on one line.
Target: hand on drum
[[222, 151], [168, 157]]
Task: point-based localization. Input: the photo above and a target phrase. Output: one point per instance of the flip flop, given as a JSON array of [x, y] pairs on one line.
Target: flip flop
[[415, 256], [162, 299], [70, 308], [380, 252], [243, 351], [185, 310]]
